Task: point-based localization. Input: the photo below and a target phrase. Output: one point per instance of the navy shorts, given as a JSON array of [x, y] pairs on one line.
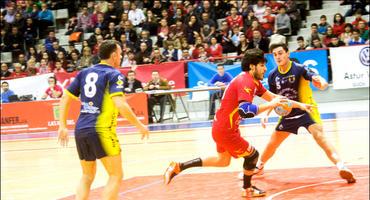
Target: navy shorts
[[292, 124], [92, 145]]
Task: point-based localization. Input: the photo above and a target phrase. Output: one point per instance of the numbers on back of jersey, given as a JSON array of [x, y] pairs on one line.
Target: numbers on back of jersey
[[90, 87]]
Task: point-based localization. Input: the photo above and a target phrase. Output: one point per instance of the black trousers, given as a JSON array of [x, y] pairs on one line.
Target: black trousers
[[152, 101], [212, 99]]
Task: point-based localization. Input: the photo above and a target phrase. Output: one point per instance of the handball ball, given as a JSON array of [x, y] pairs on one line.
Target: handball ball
[[284, 109]]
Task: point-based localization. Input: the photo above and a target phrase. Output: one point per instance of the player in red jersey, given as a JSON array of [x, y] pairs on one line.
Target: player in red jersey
[[237, 103]]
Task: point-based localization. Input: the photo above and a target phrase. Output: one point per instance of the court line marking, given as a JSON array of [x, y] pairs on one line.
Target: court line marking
[[306, 186]]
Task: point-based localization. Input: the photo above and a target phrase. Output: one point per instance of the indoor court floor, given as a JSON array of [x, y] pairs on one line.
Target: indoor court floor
[[34, 166]]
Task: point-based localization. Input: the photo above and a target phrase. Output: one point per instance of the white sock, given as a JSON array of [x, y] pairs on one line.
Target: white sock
[[340, 165]]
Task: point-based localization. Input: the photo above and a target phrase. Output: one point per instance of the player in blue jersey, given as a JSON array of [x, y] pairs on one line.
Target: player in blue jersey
[[100, 90], [292, 80]]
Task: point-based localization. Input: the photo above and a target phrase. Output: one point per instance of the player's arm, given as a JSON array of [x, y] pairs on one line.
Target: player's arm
[[319, 82], [125, 110], [249, 110], [65, 102]]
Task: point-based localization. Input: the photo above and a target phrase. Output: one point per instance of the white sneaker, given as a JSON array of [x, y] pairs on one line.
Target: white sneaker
[[253, 192]]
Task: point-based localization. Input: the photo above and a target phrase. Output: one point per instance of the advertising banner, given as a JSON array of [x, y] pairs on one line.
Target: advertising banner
[[350, 66]]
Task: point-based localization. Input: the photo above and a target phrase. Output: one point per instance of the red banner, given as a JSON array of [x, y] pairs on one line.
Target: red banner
[[172, 71], [41, 116]]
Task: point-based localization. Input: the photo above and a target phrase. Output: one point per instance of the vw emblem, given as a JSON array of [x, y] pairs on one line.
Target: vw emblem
[[364, 56]]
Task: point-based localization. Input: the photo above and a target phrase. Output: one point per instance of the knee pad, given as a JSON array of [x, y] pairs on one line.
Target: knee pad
[[250, 161]]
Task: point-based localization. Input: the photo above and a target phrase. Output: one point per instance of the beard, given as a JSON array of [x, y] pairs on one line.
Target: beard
[[258, 76]]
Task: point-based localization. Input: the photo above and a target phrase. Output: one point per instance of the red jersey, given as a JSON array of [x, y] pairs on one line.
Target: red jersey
[[57, 88], [242, 88], [238, 21]]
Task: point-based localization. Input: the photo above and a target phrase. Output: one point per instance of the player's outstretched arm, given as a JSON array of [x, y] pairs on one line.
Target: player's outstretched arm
[[319, 82], [125, 110], [63, 112]]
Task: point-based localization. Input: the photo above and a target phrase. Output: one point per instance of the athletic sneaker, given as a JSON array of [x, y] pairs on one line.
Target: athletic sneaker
[[253, 192], [172, 170], [347, 174]]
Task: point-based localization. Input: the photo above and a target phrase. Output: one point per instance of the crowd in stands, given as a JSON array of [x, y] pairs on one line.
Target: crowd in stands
[[150, 31]]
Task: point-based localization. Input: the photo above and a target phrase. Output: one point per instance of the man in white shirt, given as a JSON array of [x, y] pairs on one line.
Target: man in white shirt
[[136, 15]]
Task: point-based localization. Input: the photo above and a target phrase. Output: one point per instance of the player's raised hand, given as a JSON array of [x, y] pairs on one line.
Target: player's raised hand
[[63, 137], [278, 101]]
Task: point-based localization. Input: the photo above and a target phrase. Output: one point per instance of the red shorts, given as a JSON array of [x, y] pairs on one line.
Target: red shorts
[[230, 141]]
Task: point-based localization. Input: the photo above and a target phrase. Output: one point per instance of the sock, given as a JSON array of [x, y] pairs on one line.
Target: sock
[[340, 165], [260, 164], [191, 163], [247, 181]]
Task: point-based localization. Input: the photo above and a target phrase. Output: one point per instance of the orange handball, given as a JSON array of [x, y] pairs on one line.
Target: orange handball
[[317, 84], [284, 109]]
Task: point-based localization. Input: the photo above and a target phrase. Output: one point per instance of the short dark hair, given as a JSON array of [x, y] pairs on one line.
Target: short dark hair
[[300, 38], [53, 77], [131, 71], [314, 24], [106, 48], [252, 57], [4, 82], [323, 16], [220, 65], [276, 45]]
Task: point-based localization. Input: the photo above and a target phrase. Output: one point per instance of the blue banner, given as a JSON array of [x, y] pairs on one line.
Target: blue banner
[[200, 73]]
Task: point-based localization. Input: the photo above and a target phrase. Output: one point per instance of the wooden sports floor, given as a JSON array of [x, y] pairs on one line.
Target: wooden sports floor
[[36, 168]]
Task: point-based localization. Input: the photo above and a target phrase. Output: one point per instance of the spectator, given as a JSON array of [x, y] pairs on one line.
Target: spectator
[[57, 49], [301, 44], [172, 39], [73, 63], [129, 32], [234, 19], [215, 49], [243, 45], [44, 67], [151, 23], [178, 29], [86, 59], [165, 16], [355, 38], [131, 84], [245, 8], [30, 33], [294, 15], [144, 37], [364, 31], [45, 19], [126, 44], [59, 66], [327, 37], [85, 23], [259, 42], [268, 22], [358, 19], [72, 25], [335, 42], [338, 24], [206, 8], [143, 56], [93, 38], [171, 54], [314, 34], [208, 27], [186, 54], [274, 6], [32, 67], [101, 23], [5, 73], [236, 36], [224, 35], [18, 72], [356, 6], [259, 9], [10, 15], [129, 60], [15, 41], [3, 42], [255, 26], [111, 33], [157, 9], [54, 91], [249, 19], [163, 31], [317, 44], [323, 25], [136, 15], [282, 22], [31, 52], [157, 83], [192, 29], [71, 49], [95, 49], [347, 34], [157, 56], [221, 79], [111, 15], [6, 92]]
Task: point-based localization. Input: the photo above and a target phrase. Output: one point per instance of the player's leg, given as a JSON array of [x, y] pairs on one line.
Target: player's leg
[[113, 166], [221, 160], [88, 175], [162, 103], [317, 132], [249, 166], [276, 139]]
